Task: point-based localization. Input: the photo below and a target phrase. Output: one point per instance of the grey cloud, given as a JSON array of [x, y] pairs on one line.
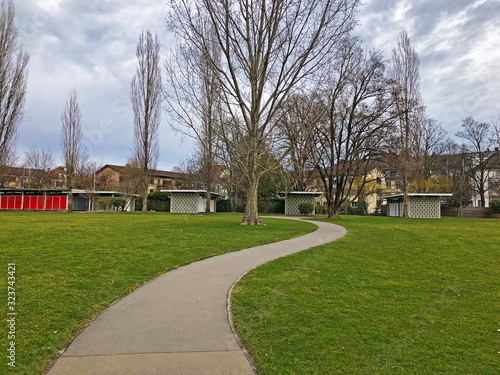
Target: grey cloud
[[90, 44]]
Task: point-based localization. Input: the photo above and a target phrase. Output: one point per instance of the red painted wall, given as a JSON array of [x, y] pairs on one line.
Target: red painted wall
[[33, 202]]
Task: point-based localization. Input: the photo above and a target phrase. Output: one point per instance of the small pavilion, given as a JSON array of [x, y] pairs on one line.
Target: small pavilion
[[420, 205], [295, 198]]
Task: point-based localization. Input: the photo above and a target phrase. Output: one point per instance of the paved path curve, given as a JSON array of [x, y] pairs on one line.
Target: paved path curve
[[178, 323]]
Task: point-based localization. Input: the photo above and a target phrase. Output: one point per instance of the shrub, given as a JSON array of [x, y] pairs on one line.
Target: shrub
[[110, 203], [277, 206], [240, 207], [223, 205], [118, 203], [495, 206], [157, 201], [158, 205], [159, 196], [359, 210], [306, 208], [263, 205], [103, 203], [271, 205], [138, 204], [321, 210]]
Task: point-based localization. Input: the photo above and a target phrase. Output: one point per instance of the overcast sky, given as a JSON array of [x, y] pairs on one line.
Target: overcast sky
[[90, 45]]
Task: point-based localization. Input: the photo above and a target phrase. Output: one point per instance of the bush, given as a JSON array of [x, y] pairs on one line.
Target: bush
[[277, 206], [223, 205], [159, 196], [118, 203], [271, 205], [157, 201], [110, 203], [240, 207], [103, 203], [158, 205], [359, 210], [495, 206], [321, 210], [306, 208]]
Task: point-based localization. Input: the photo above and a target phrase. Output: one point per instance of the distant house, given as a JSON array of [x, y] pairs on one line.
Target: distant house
[[113, 177], [491, 181], [367, 188], [21, 177], [419, 205]]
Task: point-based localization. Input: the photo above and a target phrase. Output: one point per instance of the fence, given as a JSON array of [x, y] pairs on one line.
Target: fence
[[468, 212]]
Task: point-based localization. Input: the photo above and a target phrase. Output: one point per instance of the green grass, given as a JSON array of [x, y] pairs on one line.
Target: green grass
[[394, 296], [69, 267]]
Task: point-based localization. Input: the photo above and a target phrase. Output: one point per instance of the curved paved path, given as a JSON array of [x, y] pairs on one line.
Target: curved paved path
[[178, 323]]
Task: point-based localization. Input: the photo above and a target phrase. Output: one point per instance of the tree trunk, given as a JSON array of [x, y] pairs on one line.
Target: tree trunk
[[332, 214], [405, 205], [207, 206], [251, 216], [145, 201], [70, 201]]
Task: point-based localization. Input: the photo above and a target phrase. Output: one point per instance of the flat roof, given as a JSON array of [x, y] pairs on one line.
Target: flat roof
[[20, 190], [62, 191], [82, 191], [301, 193], [190, 191], [419, 195]]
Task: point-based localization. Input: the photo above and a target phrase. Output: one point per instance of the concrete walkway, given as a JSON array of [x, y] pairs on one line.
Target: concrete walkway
[[178, 323]]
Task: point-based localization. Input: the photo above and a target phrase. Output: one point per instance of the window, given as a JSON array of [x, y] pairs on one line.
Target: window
[[388, 183]]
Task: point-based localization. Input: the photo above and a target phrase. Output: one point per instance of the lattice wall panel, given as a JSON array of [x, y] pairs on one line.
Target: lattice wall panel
[[184, 203], [292, 203], [425, 207]]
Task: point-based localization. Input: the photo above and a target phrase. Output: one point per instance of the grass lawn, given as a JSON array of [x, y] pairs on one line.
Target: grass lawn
[[69, 267], [402, 296]]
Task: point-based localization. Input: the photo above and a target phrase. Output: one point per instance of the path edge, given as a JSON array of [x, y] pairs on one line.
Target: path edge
[[229, 301]]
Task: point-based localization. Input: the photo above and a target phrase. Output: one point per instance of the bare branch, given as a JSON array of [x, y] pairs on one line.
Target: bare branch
[[13, 81], [71, 141], [146, 97], [268, 51]]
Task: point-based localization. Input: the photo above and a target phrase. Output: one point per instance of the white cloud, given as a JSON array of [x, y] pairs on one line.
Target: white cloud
[[90, 44]]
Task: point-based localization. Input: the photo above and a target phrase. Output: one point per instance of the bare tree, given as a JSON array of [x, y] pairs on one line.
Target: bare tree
[[429, 144], [71, 141], [269, 49], [85, 171], [355, 124], [477, 146], [146, 96], [405, 77], [193, 101], [299, 109], [85, 179], [495, 133], [39, 162], [131, 179], [454, 164], [13, 81]]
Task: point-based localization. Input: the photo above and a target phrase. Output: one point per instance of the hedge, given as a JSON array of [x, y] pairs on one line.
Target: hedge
[[157, 201], [266, 206], [306, 208], [495, 206], [223, 205]]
